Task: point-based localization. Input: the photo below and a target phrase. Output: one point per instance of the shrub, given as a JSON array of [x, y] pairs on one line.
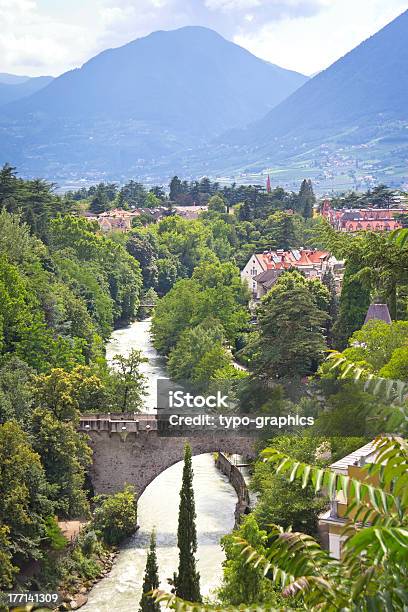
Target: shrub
[[115, 516]]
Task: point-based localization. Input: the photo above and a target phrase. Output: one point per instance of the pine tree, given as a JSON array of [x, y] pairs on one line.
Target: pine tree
[[354, 303], [306, 199], [151, 579], [176, 189], [330, 282], [187, 581], [291, 342]]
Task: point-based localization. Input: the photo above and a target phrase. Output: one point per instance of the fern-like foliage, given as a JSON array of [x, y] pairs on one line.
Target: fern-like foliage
[[372, 575], [394, 392], [175, 603], [399, 237]]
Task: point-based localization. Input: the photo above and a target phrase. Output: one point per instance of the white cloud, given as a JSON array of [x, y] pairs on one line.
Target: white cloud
[[48, 37], [34, 43], [311, 43], [231, 5]]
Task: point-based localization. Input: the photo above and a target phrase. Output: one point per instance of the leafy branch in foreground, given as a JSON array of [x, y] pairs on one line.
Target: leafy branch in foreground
[[175, 603], [399, 236], [393, 391], [374, 565]]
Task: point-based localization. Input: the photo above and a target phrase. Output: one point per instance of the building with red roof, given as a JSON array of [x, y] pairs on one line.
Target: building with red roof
[[263, 269], [363, 219]]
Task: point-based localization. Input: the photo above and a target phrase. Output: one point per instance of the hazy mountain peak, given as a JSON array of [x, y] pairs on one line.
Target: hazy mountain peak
[[153, 96]]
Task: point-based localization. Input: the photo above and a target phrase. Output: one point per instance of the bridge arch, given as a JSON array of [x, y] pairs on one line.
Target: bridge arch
[[131, 451]]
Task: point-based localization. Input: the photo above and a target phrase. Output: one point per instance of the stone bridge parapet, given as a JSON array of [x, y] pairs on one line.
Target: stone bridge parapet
[[128, 449]]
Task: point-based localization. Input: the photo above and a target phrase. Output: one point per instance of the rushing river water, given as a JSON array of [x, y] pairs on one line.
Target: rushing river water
[[158, 507]]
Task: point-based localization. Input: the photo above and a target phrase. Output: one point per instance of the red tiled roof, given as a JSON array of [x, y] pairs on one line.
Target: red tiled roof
[[373, 225], [282, 260], [355, 219]]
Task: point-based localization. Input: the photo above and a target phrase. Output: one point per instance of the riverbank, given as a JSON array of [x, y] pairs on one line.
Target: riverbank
[[158, 507], [77, 598]]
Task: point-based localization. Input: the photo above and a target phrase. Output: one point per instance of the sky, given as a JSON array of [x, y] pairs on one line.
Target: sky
[[39, 37]]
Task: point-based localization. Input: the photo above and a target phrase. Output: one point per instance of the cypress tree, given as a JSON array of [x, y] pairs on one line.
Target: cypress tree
[[306, 199], [354, 303], [151, 579], [330, 282], [187, 581]]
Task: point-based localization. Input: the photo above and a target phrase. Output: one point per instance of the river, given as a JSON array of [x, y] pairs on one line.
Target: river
[[158, 507]]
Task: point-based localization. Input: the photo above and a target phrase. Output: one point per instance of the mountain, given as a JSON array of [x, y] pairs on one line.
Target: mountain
[[131, 106], [358, 106], [12, 79], [10, 92]]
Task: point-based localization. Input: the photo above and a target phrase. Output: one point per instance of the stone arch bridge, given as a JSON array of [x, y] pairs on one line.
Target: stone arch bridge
[[129, 449]]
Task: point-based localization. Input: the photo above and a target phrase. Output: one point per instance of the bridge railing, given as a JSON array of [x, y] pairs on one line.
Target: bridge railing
[[118, 422]]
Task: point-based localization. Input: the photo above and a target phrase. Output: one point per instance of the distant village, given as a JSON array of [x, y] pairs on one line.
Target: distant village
[[120, 220], [263, 269]]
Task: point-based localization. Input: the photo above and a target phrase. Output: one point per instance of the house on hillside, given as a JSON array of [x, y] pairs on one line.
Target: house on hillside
[[190, 212], [263, 269], [118, 220]]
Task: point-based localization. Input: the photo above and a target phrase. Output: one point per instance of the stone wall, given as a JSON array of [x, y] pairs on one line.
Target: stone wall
[[131, 451], [238, 482]]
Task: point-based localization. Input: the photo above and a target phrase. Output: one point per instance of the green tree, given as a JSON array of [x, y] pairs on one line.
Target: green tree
[[176, 189], [100, 201], [143, 248], [24, 500], [7, 569], [291, 340], [151, 579], [65, 456], [127, 383], [108, 259], [397, 367], [375, 343], [283, 503], [116, 515], [242, 583], [216, 204], [173, 314], [16, 391], [306, 198], [354, 303], [64, 393], [281, 230], [216, 359], [329, 281], [167, 274], [185, 361], [187, 580]]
